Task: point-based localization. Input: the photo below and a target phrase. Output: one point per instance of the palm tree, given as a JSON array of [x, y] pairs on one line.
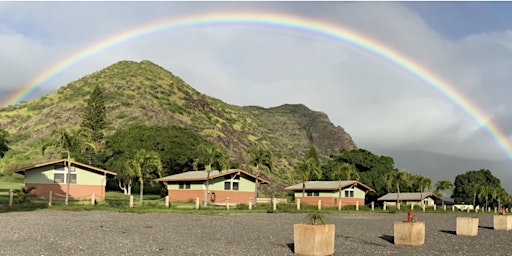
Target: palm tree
[[421, 183], [68, 141], [394, 178], [483, 192], [441, 186], [260, 159], [474, 189], [210, 156], [502, 193], [143, 165], [495, 192], [307, 170], [341, 169]]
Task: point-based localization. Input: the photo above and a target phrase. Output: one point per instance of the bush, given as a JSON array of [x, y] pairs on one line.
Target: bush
[[23, 194], [242, 207]]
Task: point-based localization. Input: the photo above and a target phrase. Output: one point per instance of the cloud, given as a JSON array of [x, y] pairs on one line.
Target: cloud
[[379, 104]]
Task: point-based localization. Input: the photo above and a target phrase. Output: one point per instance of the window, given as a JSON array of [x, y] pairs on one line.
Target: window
[[313, 193], [232, 182], [58, 177], [349, 192], [184, 185], [60, 174]]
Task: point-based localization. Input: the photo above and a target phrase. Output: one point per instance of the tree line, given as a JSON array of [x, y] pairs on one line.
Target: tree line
[[141, 153]]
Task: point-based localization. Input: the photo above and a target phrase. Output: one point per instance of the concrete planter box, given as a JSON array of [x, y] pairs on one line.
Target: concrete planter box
[[502, 222], [409, 233], [467, 226], [309, 239]]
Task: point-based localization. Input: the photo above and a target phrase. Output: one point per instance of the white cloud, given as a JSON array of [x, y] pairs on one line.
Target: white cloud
[[377, 103]]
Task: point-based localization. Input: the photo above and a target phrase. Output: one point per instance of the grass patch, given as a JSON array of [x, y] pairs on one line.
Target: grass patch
[[119, 202]]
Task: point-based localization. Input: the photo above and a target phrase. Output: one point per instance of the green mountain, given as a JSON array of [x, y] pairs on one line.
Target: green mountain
[[143, 92]]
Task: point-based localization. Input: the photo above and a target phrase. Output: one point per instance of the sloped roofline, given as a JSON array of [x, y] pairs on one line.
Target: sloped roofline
[[219, 174], [407, 196], [345, 184], [64, 161]]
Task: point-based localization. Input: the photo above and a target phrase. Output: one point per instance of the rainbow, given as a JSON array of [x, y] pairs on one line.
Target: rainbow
[[283, 21]]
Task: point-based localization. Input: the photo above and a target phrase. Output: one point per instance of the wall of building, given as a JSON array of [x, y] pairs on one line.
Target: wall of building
[[214, 196], [41, 175], [430, 203], [75, 191], [330, 201], [330, 198], [45, 174]]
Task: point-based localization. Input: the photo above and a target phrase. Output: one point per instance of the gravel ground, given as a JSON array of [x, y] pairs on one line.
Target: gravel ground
[[110, 233]]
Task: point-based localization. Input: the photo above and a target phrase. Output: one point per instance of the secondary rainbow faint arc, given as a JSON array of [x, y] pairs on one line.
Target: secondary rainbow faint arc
[[283, 21]]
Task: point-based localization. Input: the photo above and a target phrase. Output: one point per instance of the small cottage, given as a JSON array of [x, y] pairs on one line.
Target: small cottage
[[236, 184], [84, 180], [416, 199], [348, 192]]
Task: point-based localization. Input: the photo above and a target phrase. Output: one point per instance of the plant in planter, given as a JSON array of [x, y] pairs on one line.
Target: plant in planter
[[315, 237], [503, 221], [409, 232]]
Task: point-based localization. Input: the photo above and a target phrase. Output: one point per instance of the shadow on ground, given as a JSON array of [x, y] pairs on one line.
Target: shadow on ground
[[291, 246], [389, 239], [451, 232]]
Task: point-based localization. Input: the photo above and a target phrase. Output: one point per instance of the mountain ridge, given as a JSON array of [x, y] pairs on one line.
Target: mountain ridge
[[145, 93]]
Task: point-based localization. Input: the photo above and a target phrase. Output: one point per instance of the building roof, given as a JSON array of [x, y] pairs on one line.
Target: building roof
[[416, 196], [64, 161], [203, 175], [329, 185]]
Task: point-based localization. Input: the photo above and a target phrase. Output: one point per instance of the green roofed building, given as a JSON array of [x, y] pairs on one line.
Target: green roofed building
[[348, 192], [416, 198], [237, 184], [84, 180]]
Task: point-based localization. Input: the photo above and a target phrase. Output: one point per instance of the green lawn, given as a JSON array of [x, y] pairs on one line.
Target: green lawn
[[117, 201], [4, 190]]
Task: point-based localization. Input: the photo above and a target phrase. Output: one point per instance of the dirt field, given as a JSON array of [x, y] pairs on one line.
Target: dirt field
[[108, 233]]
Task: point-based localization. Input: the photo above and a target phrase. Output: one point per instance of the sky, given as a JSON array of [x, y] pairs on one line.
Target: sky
[[385, 109]]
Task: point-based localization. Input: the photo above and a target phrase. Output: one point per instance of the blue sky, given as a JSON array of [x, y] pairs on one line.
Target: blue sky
[[459, 19], [468, 44]]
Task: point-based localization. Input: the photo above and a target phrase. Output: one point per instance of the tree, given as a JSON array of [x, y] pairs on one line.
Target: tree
[[69, 141], [308, 169], [94, 115], [177, 146], [441, 186], [421, 183], [370, 167], [124, 175], [483, 192], [395, 178], [210, 157], [341, 170], [465, 184], [4, 143], [494, 192], [143, 165], [260, 159], [474, 190], [93, 120]]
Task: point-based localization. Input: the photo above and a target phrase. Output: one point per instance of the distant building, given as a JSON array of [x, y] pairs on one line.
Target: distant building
[[236, 184], [352, 191], [416, 198], [52, 176]]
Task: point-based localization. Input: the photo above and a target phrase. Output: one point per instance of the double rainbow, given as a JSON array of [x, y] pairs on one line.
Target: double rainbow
[[282, 21]]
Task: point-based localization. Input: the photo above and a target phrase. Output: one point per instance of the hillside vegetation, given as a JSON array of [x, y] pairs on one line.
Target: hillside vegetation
[[145, 93]]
